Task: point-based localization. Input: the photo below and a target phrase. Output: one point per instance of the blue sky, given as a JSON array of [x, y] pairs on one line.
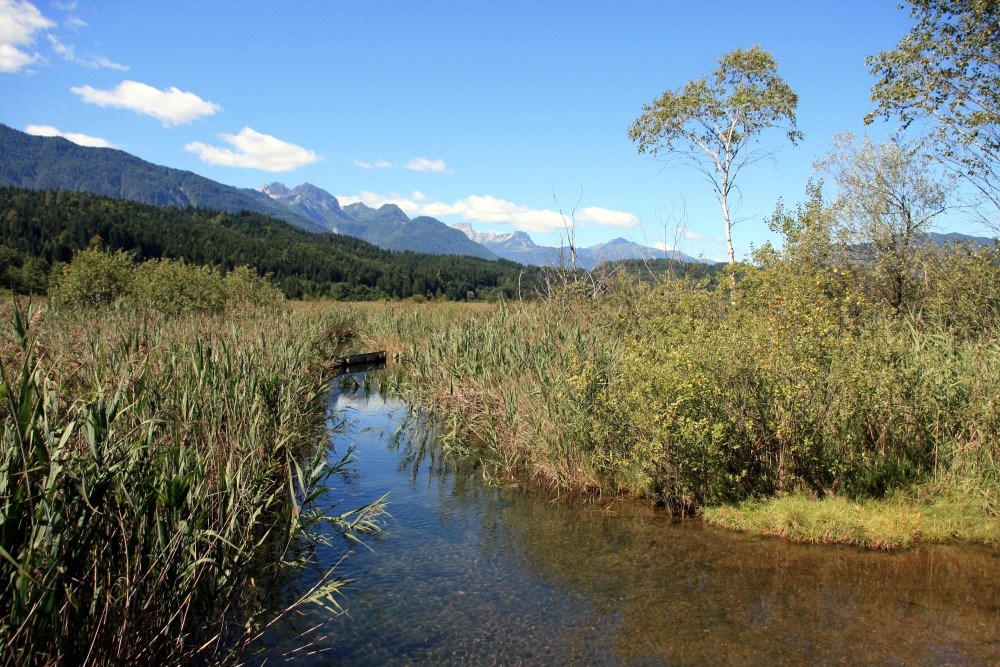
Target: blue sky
[[498, 114]]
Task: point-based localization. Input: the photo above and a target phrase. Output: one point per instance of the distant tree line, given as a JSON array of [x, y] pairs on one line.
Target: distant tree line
[[41, 230]]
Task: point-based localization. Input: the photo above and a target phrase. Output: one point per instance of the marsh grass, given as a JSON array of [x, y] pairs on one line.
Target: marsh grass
[[158, 477], [898, 521]]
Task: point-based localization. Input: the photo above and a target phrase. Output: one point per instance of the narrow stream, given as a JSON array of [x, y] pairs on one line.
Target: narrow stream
[[472, 575]]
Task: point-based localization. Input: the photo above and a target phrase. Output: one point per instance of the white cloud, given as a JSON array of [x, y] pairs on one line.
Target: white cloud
[[75, 137], [68, 52], [416, 164], [74, 23], [171, 106], [254, 150], [374, 200], [19, 21], [381, 164], [494, 211], [606, 217], [485, 208], [430, 166]]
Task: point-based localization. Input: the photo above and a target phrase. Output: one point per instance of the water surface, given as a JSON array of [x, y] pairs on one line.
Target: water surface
[[472, 575]]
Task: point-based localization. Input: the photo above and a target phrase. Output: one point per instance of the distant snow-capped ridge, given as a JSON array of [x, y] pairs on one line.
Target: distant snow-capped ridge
[[493, 237], [518, 247]]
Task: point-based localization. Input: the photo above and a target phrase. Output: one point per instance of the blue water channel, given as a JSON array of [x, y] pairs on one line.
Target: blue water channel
[[468, 574]]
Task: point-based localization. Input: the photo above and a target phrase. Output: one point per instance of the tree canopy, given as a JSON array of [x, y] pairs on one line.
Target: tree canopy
[[888, 197], [944, 75]]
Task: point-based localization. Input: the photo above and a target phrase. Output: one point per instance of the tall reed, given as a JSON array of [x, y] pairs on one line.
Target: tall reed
[[157, 476]]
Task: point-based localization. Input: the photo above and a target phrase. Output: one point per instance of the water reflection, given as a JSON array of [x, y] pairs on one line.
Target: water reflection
[[475, 575]]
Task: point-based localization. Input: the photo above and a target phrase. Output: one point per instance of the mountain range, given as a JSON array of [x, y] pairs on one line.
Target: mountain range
[[387, 226], [53, 163], [518, 247]]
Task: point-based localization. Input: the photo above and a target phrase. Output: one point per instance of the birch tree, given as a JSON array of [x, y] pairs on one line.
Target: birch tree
[[888, 198], [714, 123]]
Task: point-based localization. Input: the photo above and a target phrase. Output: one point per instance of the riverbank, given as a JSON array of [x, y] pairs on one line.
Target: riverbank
[[897, 522], [471, 573]]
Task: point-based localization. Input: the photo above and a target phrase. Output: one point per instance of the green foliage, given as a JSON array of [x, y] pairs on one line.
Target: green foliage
[[788, 374], [960, 289], [97, 277], [713, 122], [94, 277], [175, 286], [22, 273], [795, 380], [943, 74], [244, 287], [887, 199]]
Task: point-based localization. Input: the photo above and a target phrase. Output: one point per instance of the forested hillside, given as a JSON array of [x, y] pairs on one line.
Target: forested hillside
[[44, 163], [39, 229]]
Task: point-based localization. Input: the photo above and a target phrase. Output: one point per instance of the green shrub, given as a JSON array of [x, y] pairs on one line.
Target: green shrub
[[94, 277], [174, 286], [171, 286]]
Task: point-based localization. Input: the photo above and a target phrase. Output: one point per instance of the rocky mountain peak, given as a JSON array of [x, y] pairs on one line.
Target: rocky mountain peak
[[275, 190]]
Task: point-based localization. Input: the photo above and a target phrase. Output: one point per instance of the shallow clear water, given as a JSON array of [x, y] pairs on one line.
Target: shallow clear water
[[470, 575]]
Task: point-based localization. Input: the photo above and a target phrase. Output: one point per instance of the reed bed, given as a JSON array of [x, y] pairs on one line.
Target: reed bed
[[157, 480], [512, 384]]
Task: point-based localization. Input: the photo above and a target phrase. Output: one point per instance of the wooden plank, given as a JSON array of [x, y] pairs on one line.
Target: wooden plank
[[357, 361]]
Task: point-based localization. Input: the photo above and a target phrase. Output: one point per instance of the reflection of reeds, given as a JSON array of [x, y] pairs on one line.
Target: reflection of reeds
[[156, 476], [517, 380]]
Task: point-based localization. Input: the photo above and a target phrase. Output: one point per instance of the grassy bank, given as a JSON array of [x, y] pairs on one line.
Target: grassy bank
[[898, 521], [156, 474]]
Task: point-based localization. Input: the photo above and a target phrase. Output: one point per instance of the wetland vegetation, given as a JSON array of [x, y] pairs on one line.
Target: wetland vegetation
[[164, 460], [156, 477], [170, 453]]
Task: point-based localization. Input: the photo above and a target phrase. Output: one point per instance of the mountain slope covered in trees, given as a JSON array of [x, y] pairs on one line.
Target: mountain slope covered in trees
[[54, 163], [39, 229]]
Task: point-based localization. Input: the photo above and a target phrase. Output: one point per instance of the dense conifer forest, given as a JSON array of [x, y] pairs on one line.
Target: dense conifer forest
[[41, 229]]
